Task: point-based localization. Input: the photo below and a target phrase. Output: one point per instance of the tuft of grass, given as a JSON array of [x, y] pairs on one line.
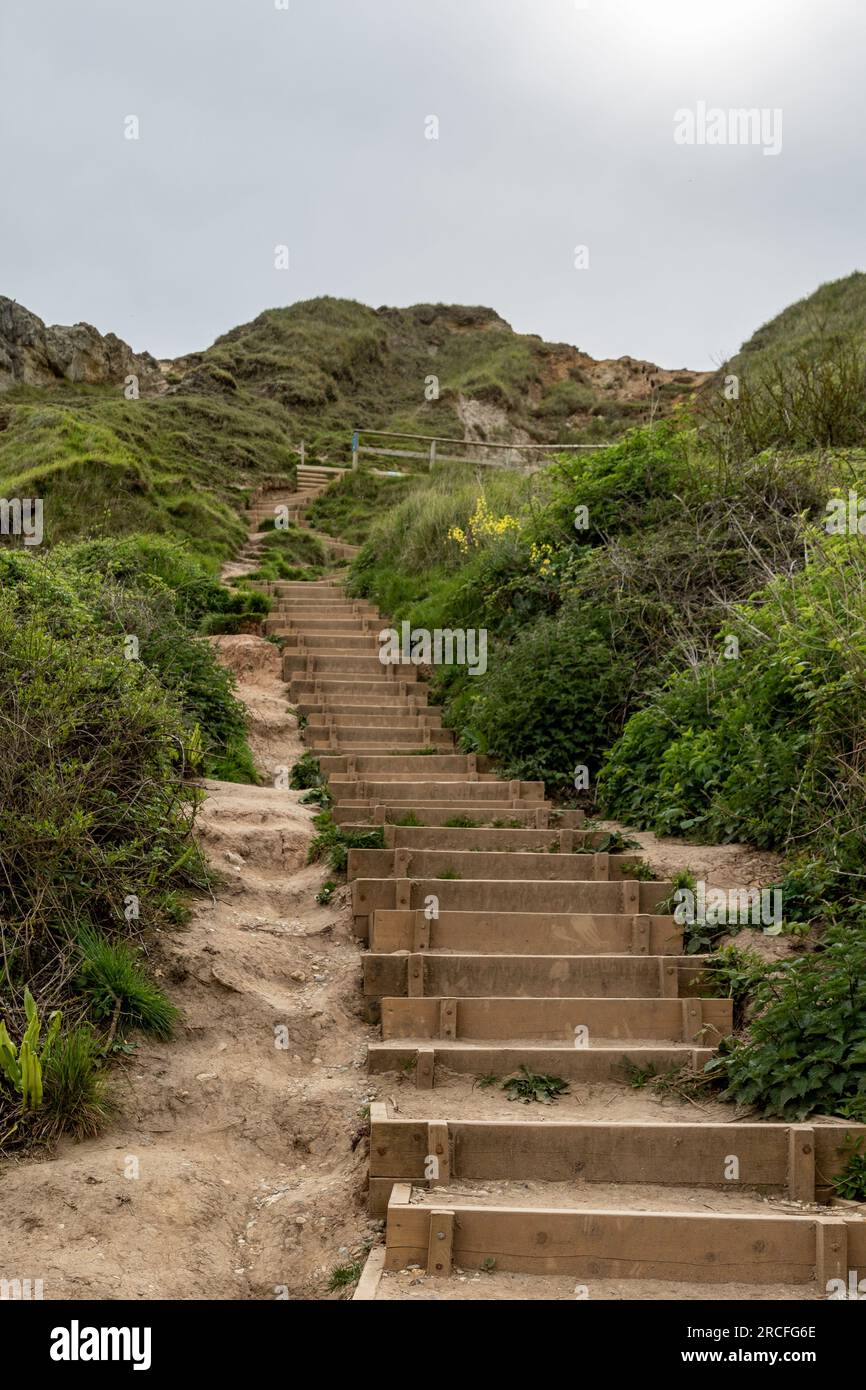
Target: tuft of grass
[[75, 1087], [119, 990], [343, 1276], [642, 871], [638, 1077]]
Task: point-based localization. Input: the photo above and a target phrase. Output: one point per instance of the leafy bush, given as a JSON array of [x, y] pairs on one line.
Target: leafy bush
[[807, 1046], [91, 796], [307, 772], [631, 485], [767, 747], [735, 974], [815, 400], [570, 718], [94, 801]]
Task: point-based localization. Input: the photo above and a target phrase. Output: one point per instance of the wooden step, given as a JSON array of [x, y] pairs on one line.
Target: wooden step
[[490, 864], [526, 933], [587, 1065], [462, 974], [441, 1231], [346, 811], [798, 1160], [694, 1021], [506, 895]]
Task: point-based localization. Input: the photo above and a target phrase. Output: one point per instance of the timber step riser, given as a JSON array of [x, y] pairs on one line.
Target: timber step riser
[[704, 1249]]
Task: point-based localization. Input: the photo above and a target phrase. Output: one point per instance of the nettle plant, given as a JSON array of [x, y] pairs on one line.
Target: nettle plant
[[806, 1051]]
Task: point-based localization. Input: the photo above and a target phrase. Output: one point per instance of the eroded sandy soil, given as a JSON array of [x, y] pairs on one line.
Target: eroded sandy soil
[[247, 1184]]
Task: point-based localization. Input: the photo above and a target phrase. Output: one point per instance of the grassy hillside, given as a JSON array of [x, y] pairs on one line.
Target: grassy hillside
[[181, 463], [835, 312], [334, 364], [171, 465]]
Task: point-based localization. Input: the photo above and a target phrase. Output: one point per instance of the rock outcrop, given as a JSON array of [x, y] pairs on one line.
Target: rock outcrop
[[33, 354]]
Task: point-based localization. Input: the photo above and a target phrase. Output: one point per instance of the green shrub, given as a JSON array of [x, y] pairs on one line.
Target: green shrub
[[91, 797], [806, 1051], [764, 748], [307, 772], [570, 719], [735, 974], [634, 484], [814, 400]]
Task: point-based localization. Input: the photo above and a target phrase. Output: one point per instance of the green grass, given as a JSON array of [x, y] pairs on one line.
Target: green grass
[[343, 1276], [290, 553], [76, 1102], [176, 465], [351, 505], [120, 992], [333, 842], [834, 312], [850, 1182]]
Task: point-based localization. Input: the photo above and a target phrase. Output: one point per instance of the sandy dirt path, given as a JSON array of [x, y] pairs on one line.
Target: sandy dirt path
[[228, 1171]]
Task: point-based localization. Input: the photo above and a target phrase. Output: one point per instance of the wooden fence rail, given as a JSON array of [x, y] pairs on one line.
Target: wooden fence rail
[[512, 451]]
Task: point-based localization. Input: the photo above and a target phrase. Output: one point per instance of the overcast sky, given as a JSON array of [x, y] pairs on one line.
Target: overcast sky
[[307, 126]]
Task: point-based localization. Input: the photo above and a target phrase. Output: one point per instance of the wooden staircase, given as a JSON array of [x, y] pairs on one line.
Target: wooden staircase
[[498, 936]]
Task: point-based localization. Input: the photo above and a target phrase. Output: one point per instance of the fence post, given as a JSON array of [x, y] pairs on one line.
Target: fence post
[[303, 454], [432, 454]]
